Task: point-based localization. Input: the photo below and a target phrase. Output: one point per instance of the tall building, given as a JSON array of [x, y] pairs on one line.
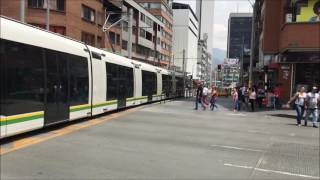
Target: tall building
[[162, 9], [289, 33], [204, 12], [185, 36], [239, 41], [83, 20]]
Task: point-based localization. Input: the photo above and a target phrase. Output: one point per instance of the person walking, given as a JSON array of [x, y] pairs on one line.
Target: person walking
[[235, 99], [252, 98], [312, 102], [299, 104], [199, 95], [213, 100], [204, 101], [277, 93], [260, 95]]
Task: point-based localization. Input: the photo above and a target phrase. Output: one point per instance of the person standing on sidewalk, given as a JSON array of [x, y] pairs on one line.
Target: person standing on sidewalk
[[198, 95], [312, 103], [252, 98], [235, 99], [260, 95], [299, 104]]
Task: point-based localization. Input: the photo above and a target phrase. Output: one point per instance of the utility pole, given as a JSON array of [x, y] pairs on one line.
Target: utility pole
[[22, 10], [48, 16], [130, 24], [252, 44], [242, 70], [184, 70]]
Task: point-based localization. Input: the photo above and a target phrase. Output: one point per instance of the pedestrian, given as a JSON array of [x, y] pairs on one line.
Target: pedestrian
[[252, 98], [260, 96], [198, 95], [299, 104], [205, 92], [235, 99], [312, 102], [214, 95], [277, 93]]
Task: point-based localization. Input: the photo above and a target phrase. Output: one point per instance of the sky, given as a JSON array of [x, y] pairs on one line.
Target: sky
[[221, 15]]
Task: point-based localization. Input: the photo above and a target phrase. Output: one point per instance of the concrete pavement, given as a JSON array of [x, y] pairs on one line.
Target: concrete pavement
[[173, 141]]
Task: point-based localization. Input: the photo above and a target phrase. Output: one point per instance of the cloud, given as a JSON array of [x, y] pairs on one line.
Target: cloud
[[220, 34]]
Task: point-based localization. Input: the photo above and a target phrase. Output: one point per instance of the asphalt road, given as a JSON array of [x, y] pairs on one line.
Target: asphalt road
[[172, 141]]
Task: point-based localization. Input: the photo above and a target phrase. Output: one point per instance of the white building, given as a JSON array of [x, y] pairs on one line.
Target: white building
[[185, 37], [204, 11]]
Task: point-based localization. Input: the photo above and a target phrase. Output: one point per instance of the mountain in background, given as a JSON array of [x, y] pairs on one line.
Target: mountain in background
[[218, 55]]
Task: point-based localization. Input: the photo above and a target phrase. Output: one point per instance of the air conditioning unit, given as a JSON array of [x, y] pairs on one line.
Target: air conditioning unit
[[288, 18]]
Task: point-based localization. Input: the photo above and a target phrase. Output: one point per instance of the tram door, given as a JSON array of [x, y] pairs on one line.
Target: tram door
[[57, 106]]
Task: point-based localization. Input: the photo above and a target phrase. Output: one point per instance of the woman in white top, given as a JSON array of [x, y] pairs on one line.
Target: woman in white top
[[299, 104], [252, 98]]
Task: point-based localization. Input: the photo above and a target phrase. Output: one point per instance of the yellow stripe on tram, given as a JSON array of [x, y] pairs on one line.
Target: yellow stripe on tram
[[79, 106], [23, 115]]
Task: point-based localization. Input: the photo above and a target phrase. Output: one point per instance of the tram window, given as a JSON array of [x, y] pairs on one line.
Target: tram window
[[2, 103], [23, 78], [112, 81], [79, 80], [125, 81], [149, 83], [165, 84], [119, 81]]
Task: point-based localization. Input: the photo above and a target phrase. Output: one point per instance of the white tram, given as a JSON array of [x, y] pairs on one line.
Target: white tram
[[46, 78]]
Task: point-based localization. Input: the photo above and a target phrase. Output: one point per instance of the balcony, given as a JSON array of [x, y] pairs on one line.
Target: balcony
[[299, 36]]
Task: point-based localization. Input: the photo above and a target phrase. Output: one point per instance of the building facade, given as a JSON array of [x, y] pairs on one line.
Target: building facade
[[204, 62], [289, 48], [239, 41], [185, 36], [83, 20], [162, 9]]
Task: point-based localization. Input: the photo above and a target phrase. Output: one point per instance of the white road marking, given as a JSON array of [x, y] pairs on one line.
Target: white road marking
[[236, 114], [258, 131], [237, 148], [273, 171], [292, 134]]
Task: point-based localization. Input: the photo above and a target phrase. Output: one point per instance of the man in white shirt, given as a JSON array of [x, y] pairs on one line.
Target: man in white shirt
[[312, 102]]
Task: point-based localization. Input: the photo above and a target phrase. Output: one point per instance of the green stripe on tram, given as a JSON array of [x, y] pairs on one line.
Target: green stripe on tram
[[20, 120]]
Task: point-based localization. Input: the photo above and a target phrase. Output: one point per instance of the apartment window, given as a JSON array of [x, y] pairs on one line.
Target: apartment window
[[142, 33], [148, 36], [158, 40], [58, 5], [149, 21], [118, 39], [112, 37], [88, 13], [100, 18], [125, 25], [143, 17], [57, 29], [88, 38], [124, 45], [154, 5]]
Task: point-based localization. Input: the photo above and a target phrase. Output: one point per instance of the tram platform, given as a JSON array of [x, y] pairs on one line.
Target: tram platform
[[167, 141]]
